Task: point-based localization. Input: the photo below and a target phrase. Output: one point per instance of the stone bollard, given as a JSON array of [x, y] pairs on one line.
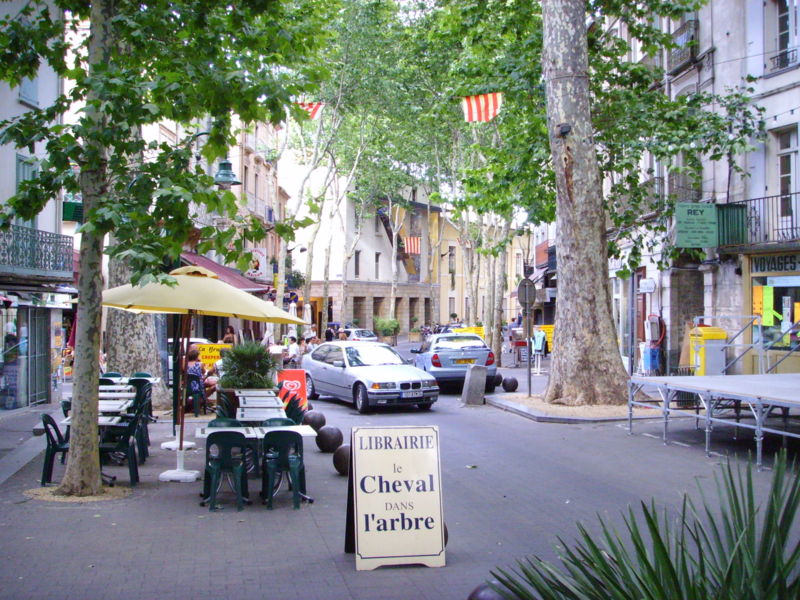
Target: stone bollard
[[474, 386]]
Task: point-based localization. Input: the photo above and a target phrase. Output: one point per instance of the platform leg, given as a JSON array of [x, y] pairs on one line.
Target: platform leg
[[709, 415]]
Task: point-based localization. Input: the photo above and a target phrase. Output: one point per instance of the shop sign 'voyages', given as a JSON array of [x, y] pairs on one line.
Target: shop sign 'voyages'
[[397, 496]]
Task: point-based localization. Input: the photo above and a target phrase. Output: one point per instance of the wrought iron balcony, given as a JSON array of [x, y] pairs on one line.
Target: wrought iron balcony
[[683, 188], [685, 46], [770, 220], [783, 59], [35, 254]]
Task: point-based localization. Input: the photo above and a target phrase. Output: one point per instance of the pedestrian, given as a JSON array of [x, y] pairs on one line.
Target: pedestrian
[[329, 334], [313, 344], [342, 336], [292, 353], [230, 335]]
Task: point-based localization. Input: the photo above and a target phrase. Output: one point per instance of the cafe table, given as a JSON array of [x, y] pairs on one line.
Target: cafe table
[[117, 395], [102, 420], [117, 406], [119, 387], [260, 402], [250, 415]]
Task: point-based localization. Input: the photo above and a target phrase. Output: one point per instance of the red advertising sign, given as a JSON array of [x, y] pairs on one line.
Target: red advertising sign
[[294, 380]]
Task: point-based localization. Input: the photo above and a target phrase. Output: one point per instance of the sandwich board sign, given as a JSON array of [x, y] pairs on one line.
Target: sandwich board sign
[[395, 498]]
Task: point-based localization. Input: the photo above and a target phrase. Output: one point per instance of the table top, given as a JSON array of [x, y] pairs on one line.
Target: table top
[[125, 380], [116, 388], [102, 420], [114, 406], [202, 433], [254, 393], [259, 414], [260, 402], [116, 395]]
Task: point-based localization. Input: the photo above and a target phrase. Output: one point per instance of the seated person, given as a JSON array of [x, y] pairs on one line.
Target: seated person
[[195, 367]]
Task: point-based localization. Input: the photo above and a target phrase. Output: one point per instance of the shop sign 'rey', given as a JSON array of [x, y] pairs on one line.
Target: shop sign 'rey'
[[397, 491]]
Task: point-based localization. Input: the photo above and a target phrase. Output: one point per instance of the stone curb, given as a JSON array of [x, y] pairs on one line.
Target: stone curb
[[524, 411]]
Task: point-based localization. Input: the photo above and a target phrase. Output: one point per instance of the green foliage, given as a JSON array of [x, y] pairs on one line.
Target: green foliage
[[248, 365], [294, 280], [194, 62], [386, 327], [734, 547]]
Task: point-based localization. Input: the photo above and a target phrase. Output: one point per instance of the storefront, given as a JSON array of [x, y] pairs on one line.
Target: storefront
[[33, 340], [772, 290]]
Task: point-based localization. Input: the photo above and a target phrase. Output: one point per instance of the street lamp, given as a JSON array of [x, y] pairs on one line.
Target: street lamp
[[225, 177]]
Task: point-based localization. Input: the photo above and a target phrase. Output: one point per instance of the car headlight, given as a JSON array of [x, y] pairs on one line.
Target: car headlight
[[430, 382], [388, 385]]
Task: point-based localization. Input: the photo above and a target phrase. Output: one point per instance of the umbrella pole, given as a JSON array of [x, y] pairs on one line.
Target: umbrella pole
[[181, 474]]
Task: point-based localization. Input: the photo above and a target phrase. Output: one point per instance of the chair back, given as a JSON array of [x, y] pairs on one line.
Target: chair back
[[220, 447], [144, 396], [53, 433], [224, 422], [194, 380], [277, 422], [283, 444], [141, 374], [224, 408], [111, 374], [130, 431]]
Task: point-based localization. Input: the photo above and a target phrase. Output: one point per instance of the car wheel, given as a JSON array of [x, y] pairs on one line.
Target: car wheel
[[311, 391], [490, 385], [360, 398], [426, 406]]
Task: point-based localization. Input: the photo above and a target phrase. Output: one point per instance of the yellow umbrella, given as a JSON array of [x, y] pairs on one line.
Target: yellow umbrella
[[198, 292]]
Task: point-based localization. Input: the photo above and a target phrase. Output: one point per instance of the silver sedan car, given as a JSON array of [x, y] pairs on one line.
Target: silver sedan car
[[368, 374], [447, 356]]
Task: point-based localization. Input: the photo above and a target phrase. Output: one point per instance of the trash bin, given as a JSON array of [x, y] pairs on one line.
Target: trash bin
[[707, 350]]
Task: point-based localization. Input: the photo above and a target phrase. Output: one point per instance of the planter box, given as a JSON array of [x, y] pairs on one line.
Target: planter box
[[414, 336], [388, 339]]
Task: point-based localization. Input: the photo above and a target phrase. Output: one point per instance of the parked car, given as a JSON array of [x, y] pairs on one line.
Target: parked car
[[362, 335], [448, 328], [367, 374], [447, 356], [171, 349]]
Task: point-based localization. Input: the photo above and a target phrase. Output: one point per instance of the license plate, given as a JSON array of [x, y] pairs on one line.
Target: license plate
[[413, 394], [464, 361]]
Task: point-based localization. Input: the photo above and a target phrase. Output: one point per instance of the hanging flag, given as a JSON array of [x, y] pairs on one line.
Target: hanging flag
[[412, 245], [483, 107], [312, 108]]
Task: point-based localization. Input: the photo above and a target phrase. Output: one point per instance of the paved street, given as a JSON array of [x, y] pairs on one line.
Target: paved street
[[510, 487]]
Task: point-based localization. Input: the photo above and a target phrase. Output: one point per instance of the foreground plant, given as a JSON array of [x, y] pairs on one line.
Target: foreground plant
[[733, 548]]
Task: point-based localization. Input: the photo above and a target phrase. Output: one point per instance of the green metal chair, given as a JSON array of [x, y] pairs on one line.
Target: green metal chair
[[111, 374], [224, 422], [225, 454], [125, 446], [224, 408], [141, 374], [107, 381], [283, 452], [56, 443]]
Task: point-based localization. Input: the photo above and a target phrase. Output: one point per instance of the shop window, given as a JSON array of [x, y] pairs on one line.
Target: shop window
[[777, 300]]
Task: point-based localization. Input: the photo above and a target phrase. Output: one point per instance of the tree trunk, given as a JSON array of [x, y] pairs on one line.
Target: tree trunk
[[500, 294], [82, 476], [586, 367], [131, 339]]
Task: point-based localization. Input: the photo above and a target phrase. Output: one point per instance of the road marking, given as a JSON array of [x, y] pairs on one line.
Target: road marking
[[655, 437]]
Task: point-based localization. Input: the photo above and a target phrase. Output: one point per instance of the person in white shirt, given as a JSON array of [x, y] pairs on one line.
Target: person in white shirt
[[291, 356]]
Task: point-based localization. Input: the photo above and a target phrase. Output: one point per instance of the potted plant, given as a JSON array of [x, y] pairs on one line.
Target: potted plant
[[387, 330], [244, 366], [414, 335]]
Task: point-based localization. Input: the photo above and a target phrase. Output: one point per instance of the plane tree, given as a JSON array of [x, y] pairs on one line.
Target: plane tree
[[141, 63]]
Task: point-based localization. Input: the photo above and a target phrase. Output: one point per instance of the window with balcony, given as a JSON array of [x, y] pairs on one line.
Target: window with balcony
[[787, 172], [685, 38], [27, 168], [782, 19]]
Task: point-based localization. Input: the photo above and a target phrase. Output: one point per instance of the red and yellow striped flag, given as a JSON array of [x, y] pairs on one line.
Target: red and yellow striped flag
[[312, 108], [483, 107]]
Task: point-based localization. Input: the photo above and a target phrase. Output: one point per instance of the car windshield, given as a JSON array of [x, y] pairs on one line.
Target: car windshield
[[363, 333], [372, 356], [459, 342]]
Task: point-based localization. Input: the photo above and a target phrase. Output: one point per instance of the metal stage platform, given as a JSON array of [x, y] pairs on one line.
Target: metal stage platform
[[710, 397]]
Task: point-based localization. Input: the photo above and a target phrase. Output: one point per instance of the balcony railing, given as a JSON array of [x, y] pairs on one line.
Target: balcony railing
[[683, 188], [768, 220], [784, 59], [685, 47], [34, 253]]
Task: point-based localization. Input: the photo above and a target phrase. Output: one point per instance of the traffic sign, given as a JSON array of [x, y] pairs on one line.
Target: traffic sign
[[526, 293]]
